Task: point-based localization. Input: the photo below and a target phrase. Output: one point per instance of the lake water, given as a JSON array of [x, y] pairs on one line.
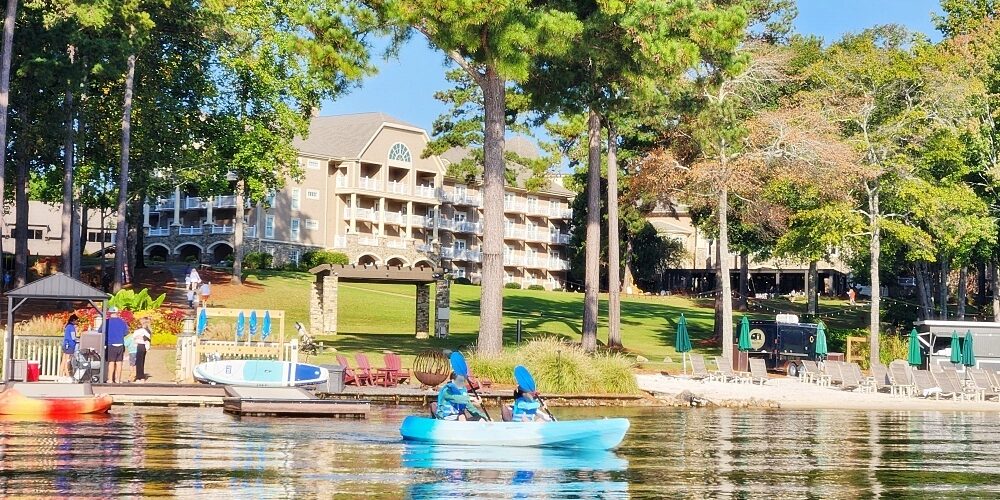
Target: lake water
[[668, 453]]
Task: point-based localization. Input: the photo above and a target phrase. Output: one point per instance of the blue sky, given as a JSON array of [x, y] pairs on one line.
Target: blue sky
[[405, 86]]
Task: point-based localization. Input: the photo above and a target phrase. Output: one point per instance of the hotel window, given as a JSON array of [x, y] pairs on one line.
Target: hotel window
[[269, 226], [270, 199], [312, 224], [458, 272], [295, 229], [508, 198], [33, 234], [312, 164], [399, 152], [459, 216], [296, 198], [92, 236], [312, 194], [554, 207], [459, 246], [294, 256]]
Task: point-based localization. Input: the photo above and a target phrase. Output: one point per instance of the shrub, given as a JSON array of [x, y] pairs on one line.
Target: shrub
[[891, 347], [320, 257], [127, 299], [191, 258], [536, 287], [561, 367], [255, 261], [513, 286], [463, 281]]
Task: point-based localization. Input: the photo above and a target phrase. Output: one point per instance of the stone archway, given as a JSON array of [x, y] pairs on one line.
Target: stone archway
[[220, 251], [396, 262], [423, 263], [158, 252], [188, 252], [367, 260]]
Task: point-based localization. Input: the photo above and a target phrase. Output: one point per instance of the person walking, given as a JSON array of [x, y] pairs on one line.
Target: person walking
[[195, 279], [852, 294], [206, 291], [117, 329], [69, 344], [143, 337]]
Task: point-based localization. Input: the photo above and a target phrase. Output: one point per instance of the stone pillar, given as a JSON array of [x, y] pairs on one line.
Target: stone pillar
[[177, 206], [329, 294], [354, 213], [381, 216], [423, 310], [145, 215], [316, 306], [409, 215], [208, 214], [442, 312]]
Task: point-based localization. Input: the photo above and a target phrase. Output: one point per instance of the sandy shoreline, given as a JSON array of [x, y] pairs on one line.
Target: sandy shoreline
[[787, 393]]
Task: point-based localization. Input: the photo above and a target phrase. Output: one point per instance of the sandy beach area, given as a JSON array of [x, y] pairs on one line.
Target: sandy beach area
[[789, 393]]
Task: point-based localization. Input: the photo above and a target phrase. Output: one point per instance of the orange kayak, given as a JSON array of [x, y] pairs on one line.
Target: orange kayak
[[15, 403]]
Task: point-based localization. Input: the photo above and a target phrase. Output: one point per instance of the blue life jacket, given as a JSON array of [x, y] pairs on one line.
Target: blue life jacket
[[525, 409], [452, 400]]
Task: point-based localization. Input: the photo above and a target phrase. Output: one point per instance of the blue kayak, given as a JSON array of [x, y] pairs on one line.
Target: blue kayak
[[602, 434]]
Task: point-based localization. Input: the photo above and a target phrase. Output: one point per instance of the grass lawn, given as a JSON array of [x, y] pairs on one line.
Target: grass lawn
[[374, 318]]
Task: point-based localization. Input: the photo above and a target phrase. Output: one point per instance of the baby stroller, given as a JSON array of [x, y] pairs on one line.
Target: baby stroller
[[86, 361]]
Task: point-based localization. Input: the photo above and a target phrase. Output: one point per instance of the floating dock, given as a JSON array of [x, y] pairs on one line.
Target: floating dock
[[288, 402]]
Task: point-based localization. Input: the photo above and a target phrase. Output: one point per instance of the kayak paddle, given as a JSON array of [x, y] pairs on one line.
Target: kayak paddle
[[527, 382], [459, 366]]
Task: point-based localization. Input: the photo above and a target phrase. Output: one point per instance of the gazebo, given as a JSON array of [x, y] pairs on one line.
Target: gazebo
[[57, 287]]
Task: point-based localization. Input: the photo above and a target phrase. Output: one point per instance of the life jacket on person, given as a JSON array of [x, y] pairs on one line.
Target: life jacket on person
[[525, 407], [453, 399]]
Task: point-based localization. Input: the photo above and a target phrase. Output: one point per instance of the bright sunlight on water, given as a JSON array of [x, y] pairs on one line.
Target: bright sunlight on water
[[668, 453]]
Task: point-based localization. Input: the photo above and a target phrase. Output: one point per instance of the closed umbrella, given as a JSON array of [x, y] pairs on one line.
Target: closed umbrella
[[915, 358], [240, 324], [202, 322], [253, 324], [744, 340], [821, 348], [956, 350], [968, 354], [265, 327], [682, 341]]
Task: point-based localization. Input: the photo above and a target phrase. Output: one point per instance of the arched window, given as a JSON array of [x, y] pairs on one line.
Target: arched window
[[399, 152]]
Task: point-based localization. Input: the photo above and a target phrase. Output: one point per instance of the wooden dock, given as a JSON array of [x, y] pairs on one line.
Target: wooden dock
[[288, 402]]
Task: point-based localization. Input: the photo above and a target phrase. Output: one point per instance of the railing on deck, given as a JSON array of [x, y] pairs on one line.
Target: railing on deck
[[46, 350], [192, 351]]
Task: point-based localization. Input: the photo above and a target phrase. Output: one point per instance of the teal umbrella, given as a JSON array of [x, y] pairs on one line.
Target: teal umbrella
[[956, 350], [915, 358], [253, 323], [682, 340], [968, 354], [240, 322], [202, 321], [744, 341], [821, 348], [265, 327]]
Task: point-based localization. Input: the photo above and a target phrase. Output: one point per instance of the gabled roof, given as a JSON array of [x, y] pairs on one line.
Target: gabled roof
[[58, 287], [521, 146], [344, 136]]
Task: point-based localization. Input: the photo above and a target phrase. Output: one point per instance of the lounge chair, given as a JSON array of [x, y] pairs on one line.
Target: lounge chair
[[394, 367], [375, 376], [698, 369], [758, 371], [832, 368], [950, 381], [981, 382], [351, 376], [901, 378], [927, 386], [880, 376], [725, 373], [868, 384], [810, 372], [849, 380]]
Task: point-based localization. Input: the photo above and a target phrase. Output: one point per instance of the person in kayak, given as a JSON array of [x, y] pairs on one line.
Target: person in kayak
[[454, 403], [526, 407]]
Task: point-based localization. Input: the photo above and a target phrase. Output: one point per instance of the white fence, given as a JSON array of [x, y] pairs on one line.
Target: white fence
[[191, 351], [46, 350]]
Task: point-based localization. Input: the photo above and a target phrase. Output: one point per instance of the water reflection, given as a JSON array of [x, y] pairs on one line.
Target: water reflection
[[688, 453]]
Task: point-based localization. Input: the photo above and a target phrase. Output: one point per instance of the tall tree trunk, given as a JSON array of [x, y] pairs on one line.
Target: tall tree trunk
[[981, 283], [744, 281], [69, 151], [139, 254], [238, 232], [22, 155], [134, 230], [962, 295], [812, 289], [726, 288], [614, 247], [490, 341], [121, 230], [995, 288], [943, 288], [5, 57], [921, 279], [592, 255], [75, 246], [875, 249], [717, 304], [82, 227]]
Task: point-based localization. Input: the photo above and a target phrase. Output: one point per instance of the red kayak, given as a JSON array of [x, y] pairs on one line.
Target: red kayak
[[15, 403]]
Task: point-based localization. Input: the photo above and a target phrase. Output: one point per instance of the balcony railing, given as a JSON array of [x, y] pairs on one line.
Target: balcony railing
[[534, 262], [513, 233], [192, 202], [513, 260], [561, 214], [396, 243], [513, 206], [190, 230], [223, 229], [369, 183], [447, 253], [228, 201], [558, 264], [535, 235], [368, 241], [398, 188], [443, 223], [418, 220], [158, 231], [559, 238], [468, 227], [393, 217], [425, 191], [361, 213], [165, 204], [468, 255], [466, 199]]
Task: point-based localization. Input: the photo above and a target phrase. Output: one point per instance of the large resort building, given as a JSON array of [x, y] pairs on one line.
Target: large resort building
[[367, 191]]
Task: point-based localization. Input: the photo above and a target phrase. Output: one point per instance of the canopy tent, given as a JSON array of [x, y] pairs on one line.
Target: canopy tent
[[57, 287]]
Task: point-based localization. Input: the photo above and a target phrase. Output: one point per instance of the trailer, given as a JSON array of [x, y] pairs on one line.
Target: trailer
[[935, 341], [783, 343]]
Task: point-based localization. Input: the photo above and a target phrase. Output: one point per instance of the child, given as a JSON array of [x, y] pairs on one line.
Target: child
[[131, 348], [454, 401], [191, 296], [526, 407], [206, 291]]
